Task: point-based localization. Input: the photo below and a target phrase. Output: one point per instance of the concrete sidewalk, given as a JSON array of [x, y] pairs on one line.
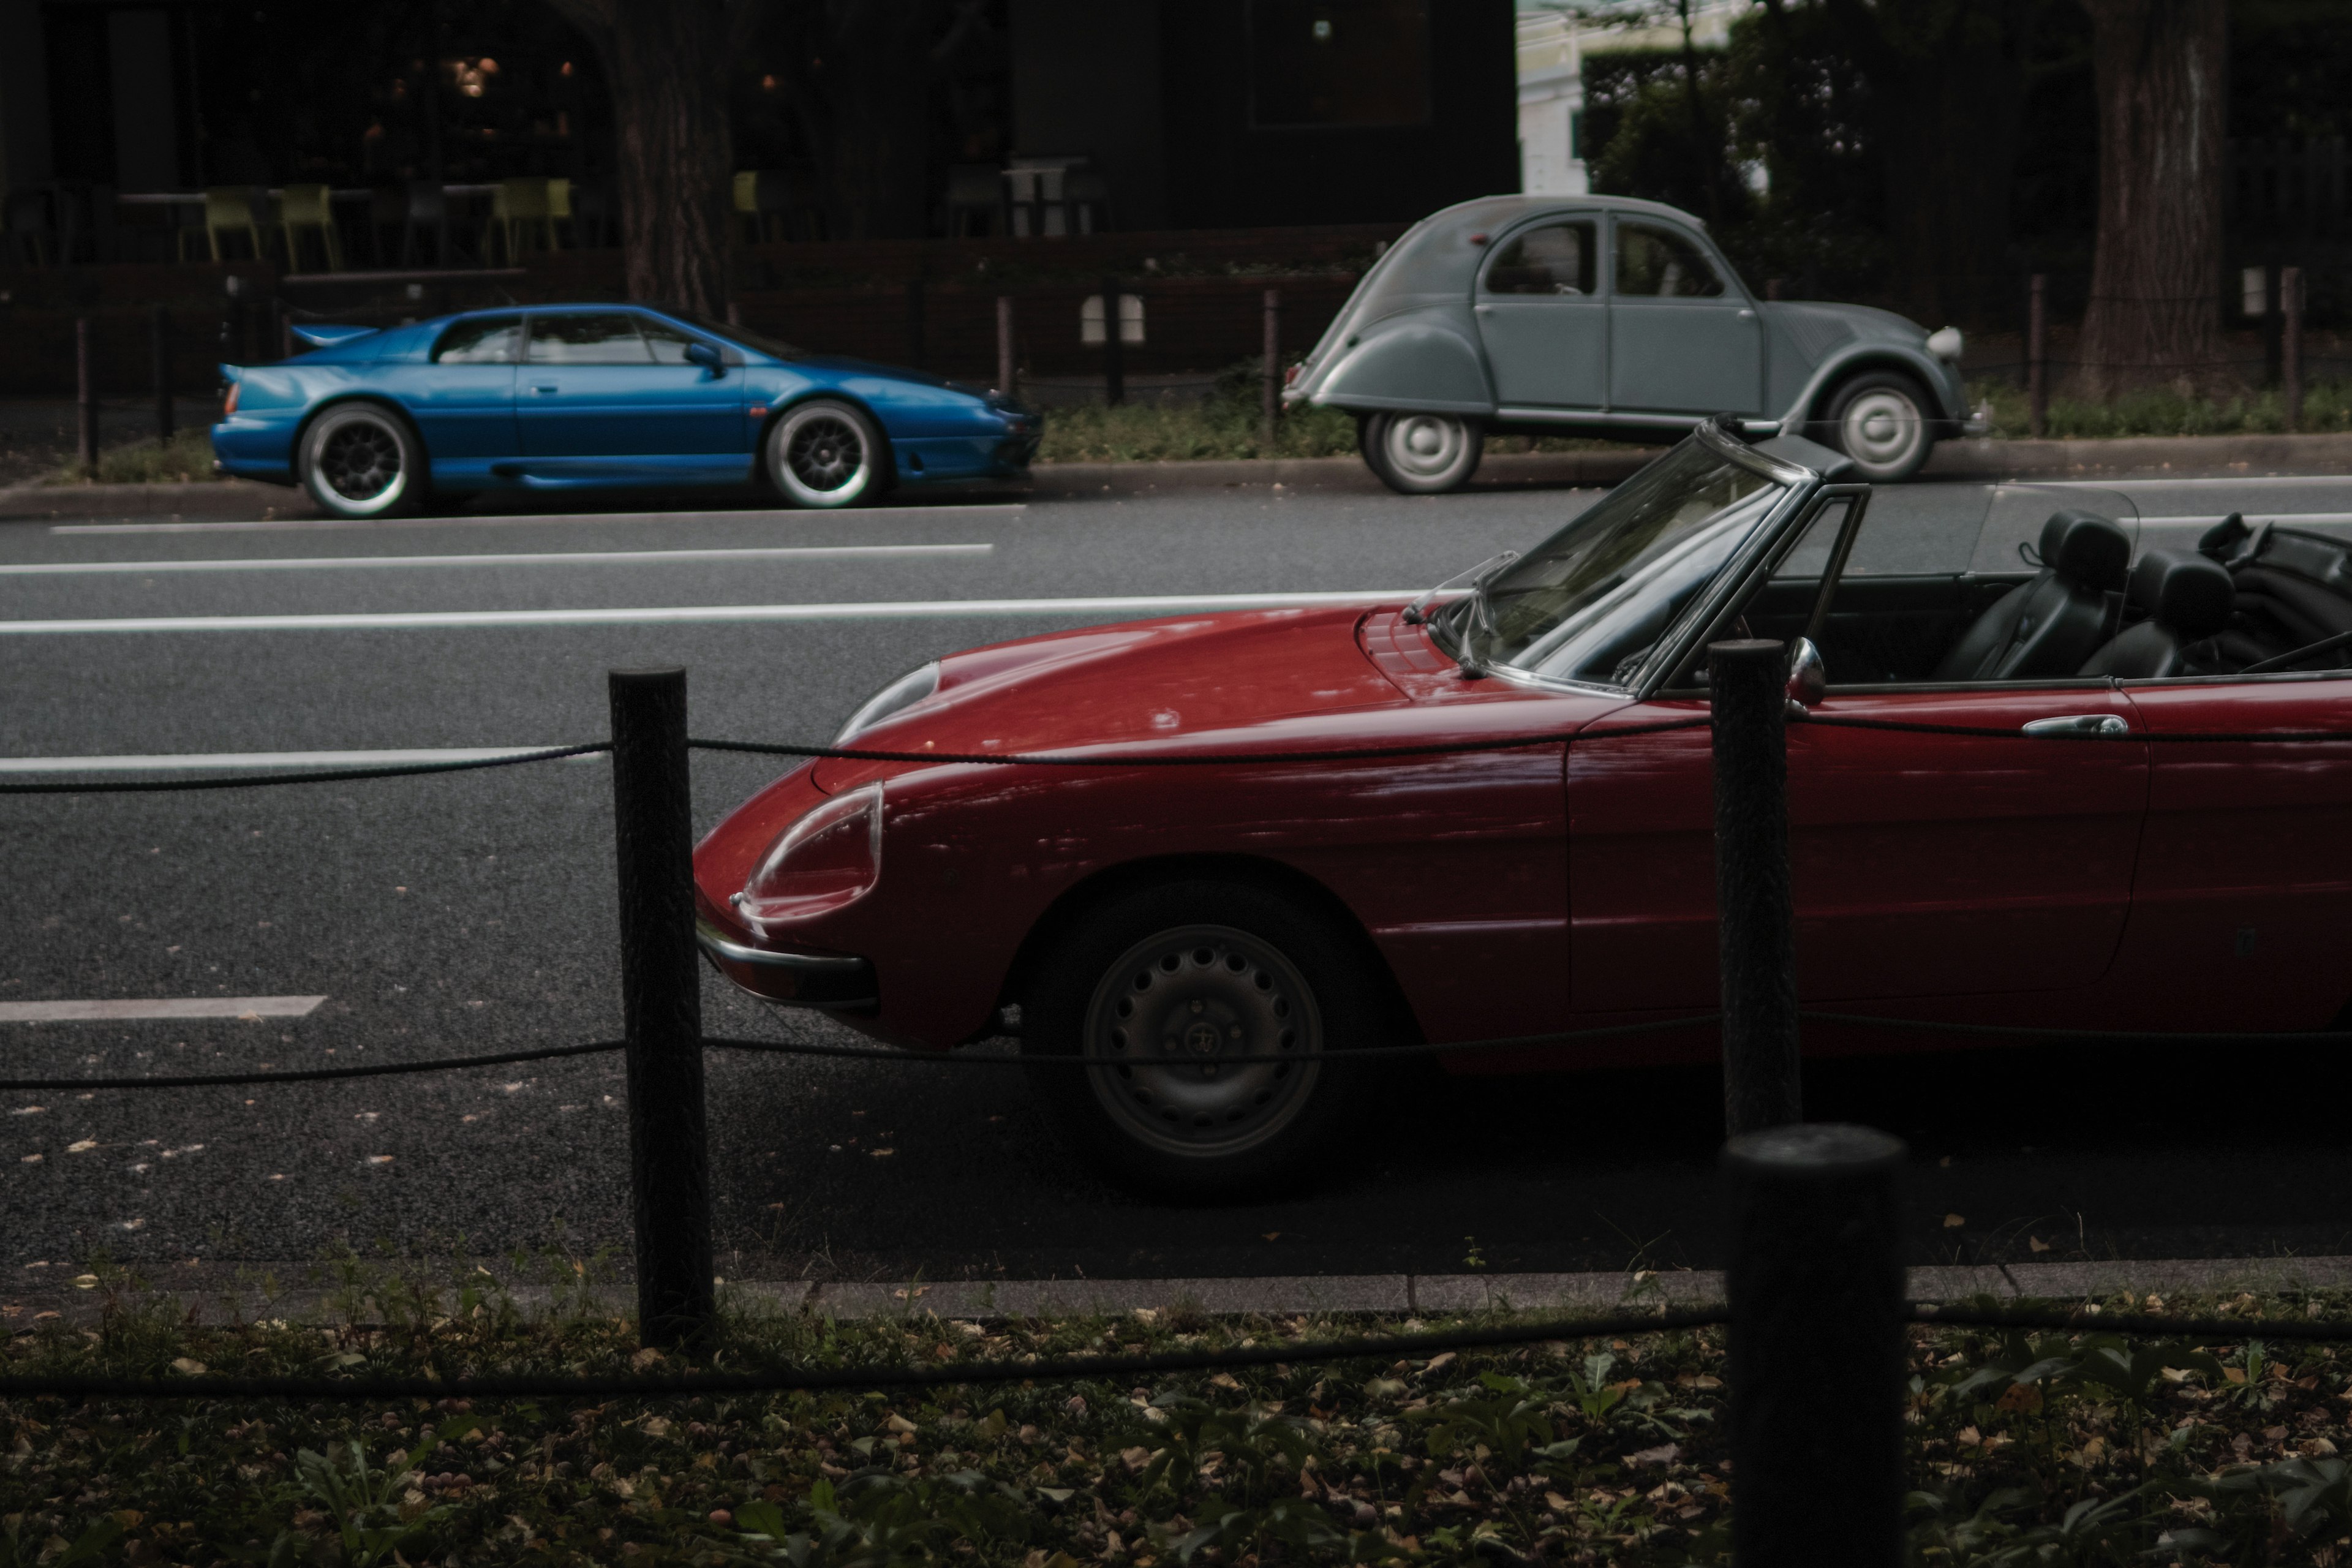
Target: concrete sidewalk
[[1381, 1295], [2181, 456]]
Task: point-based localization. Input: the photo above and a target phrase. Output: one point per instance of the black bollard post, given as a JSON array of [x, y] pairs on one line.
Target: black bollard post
[[1816, 1287], [1747, 694], [160, 328], [85, 400], [661, 1003], [1113, 350], [1005, 371], [1270, 387]]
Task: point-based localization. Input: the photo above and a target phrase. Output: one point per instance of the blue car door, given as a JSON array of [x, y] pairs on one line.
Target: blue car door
[[594, 395], [463, 399]]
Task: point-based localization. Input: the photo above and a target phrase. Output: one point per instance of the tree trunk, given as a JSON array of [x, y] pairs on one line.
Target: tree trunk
[[2161, 67], [668, 62]]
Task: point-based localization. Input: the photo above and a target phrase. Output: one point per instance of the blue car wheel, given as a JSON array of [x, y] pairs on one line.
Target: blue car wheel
[[825, 454], [361, 459]]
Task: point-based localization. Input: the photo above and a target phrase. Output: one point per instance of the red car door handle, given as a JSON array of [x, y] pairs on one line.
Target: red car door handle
[[2080, 724]]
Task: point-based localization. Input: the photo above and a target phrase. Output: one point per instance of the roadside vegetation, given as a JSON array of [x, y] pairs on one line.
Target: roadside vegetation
[[2023, 1449], [187, 457], [2327, 406]]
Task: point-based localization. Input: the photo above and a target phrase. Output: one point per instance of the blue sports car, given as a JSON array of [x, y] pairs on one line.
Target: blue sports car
[[375, 423]]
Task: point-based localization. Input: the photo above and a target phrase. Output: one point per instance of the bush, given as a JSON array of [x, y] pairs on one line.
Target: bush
[[186, 457]]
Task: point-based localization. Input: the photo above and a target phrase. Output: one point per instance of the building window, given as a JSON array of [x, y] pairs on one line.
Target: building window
[[1339, 62]]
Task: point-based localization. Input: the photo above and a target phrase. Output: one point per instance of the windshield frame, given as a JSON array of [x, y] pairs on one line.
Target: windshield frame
[[1799, 483]]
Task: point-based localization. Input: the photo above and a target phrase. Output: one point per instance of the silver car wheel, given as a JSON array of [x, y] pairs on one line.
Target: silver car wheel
[[1170, 1008], [358, 462], [823, 454], [1427, 453], [1885, 432]]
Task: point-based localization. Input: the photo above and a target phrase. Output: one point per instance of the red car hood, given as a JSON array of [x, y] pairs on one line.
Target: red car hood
[[1138, 681]]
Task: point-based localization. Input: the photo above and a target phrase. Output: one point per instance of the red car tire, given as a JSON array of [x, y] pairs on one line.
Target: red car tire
[[1178, 974]]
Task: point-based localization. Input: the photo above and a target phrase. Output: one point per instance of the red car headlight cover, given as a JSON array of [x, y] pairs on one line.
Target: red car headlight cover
[[831, 857]]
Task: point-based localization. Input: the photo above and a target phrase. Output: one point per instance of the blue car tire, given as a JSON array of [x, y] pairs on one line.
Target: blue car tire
[[362, 461], [825, 452]]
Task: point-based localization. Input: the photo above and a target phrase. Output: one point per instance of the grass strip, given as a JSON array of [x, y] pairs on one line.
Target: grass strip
[[2079, 1447]]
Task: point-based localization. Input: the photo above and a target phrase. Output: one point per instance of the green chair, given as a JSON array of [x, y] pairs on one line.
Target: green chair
[[517, 207], [301, 207], [234, 209]]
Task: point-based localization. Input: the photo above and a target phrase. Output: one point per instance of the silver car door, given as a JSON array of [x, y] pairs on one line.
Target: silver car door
[[1683, 337], [1543, 317]]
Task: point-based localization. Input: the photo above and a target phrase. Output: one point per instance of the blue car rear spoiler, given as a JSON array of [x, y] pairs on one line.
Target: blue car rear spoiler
[[326, 334]]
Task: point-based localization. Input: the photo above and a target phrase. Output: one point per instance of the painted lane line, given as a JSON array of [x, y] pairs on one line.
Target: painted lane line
[[690, 615], [2264, 480], [159, 1007], [203, 761], [523, 558], [300, 524]]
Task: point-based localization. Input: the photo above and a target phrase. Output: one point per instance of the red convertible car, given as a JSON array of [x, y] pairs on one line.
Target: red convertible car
[[2086, 864]]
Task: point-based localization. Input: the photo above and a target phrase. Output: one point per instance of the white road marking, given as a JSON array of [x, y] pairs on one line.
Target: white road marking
[[688, 615], [523, 558], [159, 1007], [204, 761], [2254, 520], [280, 524], [2164, 484]]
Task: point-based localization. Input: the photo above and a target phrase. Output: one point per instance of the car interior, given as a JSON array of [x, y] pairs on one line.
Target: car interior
[[2244, 600]]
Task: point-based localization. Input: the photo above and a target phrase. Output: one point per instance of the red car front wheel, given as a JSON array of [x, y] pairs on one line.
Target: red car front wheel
[[1162, 988]]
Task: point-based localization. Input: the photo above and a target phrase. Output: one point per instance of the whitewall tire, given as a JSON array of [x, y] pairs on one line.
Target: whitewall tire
[[1880, 420], [1423, 454]]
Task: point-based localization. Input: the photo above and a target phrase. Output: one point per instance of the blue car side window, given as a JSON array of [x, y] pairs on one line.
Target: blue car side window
[[601, 338], [1659, 262], [669, 344], [483, 340]]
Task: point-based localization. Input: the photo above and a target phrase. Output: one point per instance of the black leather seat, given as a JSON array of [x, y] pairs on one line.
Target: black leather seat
[[2185, 599], [2047, 627]]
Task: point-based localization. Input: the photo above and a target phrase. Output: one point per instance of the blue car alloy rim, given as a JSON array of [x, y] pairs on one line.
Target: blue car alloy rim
[[822, 454], [1170, 1008], [360, 460]]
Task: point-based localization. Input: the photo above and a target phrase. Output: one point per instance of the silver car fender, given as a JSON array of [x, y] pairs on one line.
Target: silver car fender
[[1942, 382], [1419, 359]]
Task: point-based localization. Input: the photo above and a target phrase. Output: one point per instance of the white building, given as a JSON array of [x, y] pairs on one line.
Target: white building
[[1552, 45]]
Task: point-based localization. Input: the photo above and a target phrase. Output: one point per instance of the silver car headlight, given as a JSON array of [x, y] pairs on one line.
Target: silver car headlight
[[1945, 344], [900, 694]]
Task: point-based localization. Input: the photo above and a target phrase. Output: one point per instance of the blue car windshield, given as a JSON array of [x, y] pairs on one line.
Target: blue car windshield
[[758, 343], [1592, 602]]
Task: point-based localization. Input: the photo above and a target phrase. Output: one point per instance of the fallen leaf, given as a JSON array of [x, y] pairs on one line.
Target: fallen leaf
[[898, 1423], [2037, 1243], [1438, 1362], [82, 1146], [1272, 1236], [193, 1368], [28, 1110], [1954, 1221], [30, 1160], [379, 1159], [881, 1154], [1665, 1454], [133, 1223], [85, 1282]]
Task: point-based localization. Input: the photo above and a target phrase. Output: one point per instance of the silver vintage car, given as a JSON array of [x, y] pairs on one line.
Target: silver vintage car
[[1607, 316]]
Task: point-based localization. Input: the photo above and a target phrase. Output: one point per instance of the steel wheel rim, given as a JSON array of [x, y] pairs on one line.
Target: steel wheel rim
[[825, 454], [1168, 1008], [360, 460], [1882, 427], [1426, 445]]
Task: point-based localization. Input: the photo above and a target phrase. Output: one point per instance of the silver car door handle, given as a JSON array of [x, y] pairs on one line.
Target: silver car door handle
[[2080, 724]]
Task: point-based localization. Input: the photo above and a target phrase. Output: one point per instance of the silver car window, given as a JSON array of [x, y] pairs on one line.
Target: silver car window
[[1662, 263], [482, 340], [1553, 258]]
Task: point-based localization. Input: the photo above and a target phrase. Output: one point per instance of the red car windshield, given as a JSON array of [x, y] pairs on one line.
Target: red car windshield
[[1591, 603]]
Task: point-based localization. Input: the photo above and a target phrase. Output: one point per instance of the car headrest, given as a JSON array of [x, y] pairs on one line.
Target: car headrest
[[2186, 593], [2085, 549]]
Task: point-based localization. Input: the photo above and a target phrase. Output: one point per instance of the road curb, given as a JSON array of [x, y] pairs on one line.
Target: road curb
[[2145, 457], [1383, 1295]]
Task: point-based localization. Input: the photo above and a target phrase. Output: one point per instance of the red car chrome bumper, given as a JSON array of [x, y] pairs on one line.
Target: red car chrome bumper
[[803, 979]]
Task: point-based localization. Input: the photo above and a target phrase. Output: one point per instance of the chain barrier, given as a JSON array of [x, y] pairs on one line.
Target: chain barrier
[[790, 1379], [334, 775], [793, 1378], [313, 1075]]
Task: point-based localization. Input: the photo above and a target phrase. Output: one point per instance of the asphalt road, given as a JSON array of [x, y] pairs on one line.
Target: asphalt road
[[474, 913]]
